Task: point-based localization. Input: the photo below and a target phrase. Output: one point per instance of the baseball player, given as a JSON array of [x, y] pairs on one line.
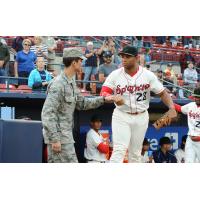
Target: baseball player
[[192, 110], [96, 147], [130, 120]]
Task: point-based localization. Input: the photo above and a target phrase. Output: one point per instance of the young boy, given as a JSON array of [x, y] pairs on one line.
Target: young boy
[[96, 148]]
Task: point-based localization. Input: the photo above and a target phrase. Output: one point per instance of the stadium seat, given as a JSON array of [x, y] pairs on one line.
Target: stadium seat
[[3, 88], [24, 89]]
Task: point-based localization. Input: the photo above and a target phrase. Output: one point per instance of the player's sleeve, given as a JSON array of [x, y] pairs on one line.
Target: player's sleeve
[[94, 138], [103, 148], [155, 85], [109, 82], [108, 86], [177, 107], [97, 142], [185, 109]]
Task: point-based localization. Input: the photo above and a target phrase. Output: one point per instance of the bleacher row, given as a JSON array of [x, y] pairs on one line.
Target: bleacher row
[[158, 52], [167, 53], [14, 88]]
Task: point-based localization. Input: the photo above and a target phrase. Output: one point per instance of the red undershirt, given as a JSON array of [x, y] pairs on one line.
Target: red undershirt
[[178, 107], [103, 148]]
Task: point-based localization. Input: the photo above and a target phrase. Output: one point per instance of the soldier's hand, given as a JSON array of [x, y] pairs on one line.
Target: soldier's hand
[[56, 147], [109, 99]]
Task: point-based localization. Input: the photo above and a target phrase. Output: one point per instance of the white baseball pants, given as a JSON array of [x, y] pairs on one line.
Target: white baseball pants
[[192, 151], [128, 132]]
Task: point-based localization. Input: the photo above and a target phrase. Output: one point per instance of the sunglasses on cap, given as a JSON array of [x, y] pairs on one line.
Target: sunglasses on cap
[[127, 56], [27, 45]]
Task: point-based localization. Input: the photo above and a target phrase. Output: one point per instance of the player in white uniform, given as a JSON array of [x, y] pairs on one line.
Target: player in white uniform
[[130, 121], [192, 110], [96, 147]]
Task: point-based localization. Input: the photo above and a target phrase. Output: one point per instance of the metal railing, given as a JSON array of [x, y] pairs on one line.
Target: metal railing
[[13, 81]]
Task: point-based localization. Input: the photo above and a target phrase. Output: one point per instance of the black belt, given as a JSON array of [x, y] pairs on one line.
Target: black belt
[[136, 113]]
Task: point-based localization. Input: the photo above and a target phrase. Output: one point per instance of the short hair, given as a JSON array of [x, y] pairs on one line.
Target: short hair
[[38, 37], [39, 57], [26, 40], [164, 140], [67, 61]]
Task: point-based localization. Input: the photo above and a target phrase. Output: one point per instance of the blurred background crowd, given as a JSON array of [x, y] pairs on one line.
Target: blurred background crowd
[[30, 62]]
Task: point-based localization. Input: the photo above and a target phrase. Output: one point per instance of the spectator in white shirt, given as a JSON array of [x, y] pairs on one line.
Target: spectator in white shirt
[[190, 75], [40, 49], [51, 46]]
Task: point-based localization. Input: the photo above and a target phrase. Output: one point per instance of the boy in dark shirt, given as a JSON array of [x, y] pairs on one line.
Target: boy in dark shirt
[[163, 155]]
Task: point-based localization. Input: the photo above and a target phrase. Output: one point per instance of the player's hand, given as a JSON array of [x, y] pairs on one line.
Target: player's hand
[[118, 99], [56, 147]]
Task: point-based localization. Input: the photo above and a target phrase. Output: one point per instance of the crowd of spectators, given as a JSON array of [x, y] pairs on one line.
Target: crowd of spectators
[[101, 60]]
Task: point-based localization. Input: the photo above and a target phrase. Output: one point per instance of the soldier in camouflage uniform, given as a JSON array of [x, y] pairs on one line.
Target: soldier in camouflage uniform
[[63, 97]]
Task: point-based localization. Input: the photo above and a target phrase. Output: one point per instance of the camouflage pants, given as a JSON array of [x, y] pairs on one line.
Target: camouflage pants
[[67, 154]]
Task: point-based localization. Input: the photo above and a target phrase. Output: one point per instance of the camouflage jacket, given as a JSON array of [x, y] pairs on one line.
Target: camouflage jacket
[[63, 97]]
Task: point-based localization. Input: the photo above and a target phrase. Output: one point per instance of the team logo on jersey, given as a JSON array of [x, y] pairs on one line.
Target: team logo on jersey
[[131, 88], [194, 115]]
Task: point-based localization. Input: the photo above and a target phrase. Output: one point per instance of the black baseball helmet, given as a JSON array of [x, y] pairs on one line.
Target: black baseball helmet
[[196, 92]]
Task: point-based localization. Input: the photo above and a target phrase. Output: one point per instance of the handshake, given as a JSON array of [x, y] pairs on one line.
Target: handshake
[[117, 99]]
